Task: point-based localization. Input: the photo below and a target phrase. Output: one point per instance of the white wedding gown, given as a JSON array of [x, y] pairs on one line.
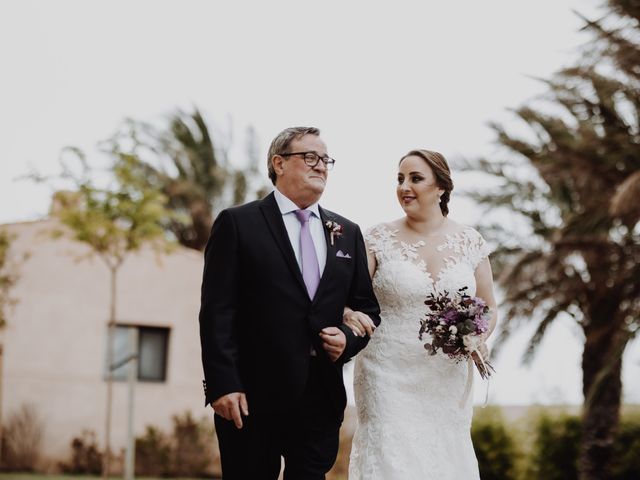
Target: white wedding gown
[[414, 416]]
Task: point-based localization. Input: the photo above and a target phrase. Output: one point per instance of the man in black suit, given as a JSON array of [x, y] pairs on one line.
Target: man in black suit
[[278, 273]]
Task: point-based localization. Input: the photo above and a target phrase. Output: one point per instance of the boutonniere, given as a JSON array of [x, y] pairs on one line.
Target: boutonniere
[[335, 229]]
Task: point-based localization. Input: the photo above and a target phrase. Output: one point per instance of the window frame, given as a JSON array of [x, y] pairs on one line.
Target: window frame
[[140, 377]]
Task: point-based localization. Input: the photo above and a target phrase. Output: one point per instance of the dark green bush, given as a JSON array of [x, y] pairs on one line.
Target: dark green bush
[[153, 453], [495, 447], [188, 451], [85, 455], [554, 451], [192, 453], [627, 450]]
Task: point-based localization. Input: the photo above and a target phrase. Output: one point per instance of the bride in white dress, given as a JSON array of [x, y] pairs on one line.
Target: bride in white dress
[[414, 410]]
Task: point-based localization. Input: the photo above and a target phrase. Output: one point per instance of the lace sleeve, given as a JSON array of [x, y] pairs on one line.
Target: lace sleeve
[[478, 249], [375, 238]]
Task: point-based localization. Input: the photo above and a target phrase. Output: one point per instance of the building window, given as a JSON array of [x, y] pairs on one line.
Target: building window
[[152, 344]]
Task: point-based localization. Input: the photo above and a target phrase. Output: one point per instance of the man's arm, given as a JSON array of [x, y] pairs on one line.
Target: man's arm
[[219, 296], [361, 298]]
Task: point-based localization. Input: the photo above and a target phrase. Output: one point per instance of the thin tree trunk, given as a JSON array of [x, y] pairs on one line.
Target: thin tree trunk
[[601, 412], [106, 459], [1, 393]]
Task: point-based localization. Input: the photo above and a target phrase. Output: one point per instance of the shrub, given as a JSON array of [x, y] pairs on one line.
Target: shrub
[[495, 448], [192, 453], [627, 450], [85, 455], [187, 452], [22, 440], [554, 454], [153, 453]]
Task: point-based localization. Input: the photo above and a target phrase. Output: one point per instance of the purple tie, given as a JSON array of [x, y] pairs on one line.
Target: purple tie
[[308, 257]]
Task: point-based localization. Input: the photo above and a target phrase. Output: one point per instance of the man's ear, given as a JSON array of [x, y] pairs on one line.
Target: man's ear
[[276, 162]]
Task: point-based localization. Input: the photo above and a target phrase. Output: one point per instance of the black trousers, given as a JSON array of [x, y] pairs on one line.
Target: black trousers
[[306, 436]]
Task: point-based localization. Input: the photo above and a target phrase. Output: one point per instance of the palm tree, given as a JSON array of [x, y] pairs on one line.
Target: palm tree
[[191, 170], [580, 256]]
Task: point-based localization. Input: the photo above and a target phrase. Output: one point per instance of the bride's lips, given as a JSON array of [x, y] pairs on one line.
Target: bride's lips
[[407, 199]]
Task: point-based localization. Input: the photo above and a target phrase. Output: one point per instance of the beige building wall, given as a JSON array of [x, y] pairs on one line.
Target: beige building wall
[[55, 339]]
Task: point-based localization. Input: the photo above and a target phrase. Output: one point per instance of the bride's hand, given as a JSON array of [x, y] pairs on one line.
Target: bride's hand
[[358, 322], [483, 350]]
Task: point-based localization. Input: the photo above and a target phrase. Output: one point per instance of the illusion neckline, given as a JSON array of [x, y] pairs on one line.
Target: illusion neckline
[[445, 236], [416, 260]]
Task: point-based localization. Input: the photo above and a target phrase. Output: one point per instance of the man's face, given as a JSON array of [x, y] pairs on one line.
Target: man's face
[[298, 181]]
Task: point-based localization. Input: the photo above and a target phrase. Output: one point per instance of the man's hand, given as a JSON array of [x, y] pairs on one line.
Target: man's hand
[[333, 341], [231, 406]]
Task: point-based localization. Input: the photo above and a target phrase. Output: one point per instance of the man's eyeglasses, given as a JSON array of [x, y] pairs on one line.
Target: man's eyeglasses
[[311, 159]]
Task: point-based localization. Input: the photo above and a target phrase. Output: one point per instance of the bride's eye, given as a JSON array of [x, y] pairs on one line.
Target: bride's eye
[[400, 180], [416, 179]]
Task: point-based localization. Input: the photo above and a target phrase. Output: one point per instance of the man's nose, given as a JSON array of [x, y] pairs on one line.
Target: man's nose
[[321, 166]]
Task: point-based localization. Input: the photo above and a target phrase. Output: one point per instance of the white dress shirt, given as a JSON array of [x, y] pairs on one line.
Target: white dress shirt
[[291, 223]]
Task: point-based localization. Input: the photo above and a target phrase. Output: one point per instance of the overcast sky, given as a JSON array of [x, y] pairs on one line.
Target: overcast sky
[[378, 78]]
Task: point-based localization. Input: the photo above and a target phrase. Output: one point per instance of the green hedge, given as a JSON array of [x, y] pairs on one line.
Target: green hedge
[[188, 450], [544, 445], [495, 446], [627, 449]]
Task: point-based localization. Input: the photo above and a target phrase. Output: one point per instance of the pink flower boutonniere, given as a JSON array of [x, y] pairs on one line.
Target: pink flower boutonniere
[[335, 229]]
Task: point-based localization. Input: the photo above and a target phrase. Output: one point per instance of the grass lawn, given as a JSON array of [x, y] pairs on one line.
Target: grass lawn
[[36, 476]]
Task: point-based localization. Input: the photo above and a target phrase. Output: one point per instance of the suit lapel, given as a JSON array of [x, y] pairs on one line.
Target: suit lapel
[[331, 252], [271, 212]]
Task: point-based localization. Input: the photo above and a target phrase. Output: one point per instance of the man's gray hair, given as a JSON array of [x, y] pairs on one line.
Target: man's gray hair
[[281, 143]]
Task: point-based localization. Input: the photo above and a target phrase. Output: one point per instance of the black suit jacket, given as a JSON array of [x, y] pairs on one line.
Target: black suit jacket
[[257, 323]]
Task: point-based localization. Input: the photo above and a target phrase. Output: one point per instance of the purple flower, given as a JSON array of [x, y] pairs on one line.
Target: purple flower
[[450, 316]]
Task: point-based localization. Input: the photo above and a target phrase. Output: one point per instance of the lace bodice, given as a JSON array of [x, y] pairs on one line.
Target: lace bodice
[[403, 279], [411, 419], [458, 255]]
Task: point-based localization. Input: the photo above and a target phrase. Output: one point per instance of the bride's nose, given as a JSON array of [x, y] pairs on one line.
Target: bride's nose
[[404, 186]]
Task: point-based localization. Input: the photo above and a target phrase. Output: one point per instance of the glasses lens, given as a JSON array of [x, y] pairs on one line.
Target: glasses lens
[[311, 159]]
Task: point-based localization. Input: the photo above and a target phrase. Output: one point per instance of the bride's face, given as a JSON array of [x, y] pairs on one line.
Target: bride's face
[[418, 192]]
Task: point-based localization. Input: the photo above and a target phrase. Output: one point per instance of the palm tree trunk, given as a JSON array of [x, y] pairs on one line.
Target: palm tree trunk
[[602, 389]]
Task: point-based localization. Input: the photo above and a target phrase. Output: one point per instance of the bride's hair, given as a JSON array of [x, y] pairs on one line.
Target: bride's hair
[[441, 171]]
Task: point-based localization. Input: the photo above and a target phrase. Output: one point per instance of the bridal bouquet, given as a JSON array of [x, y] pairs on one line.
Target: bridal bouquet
[[456, 324]]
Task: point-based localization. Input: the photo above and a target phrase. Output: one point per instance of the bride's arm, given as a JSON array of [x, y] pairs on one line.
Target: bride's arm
[[484, 290], [371, 262], [359, 322]]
